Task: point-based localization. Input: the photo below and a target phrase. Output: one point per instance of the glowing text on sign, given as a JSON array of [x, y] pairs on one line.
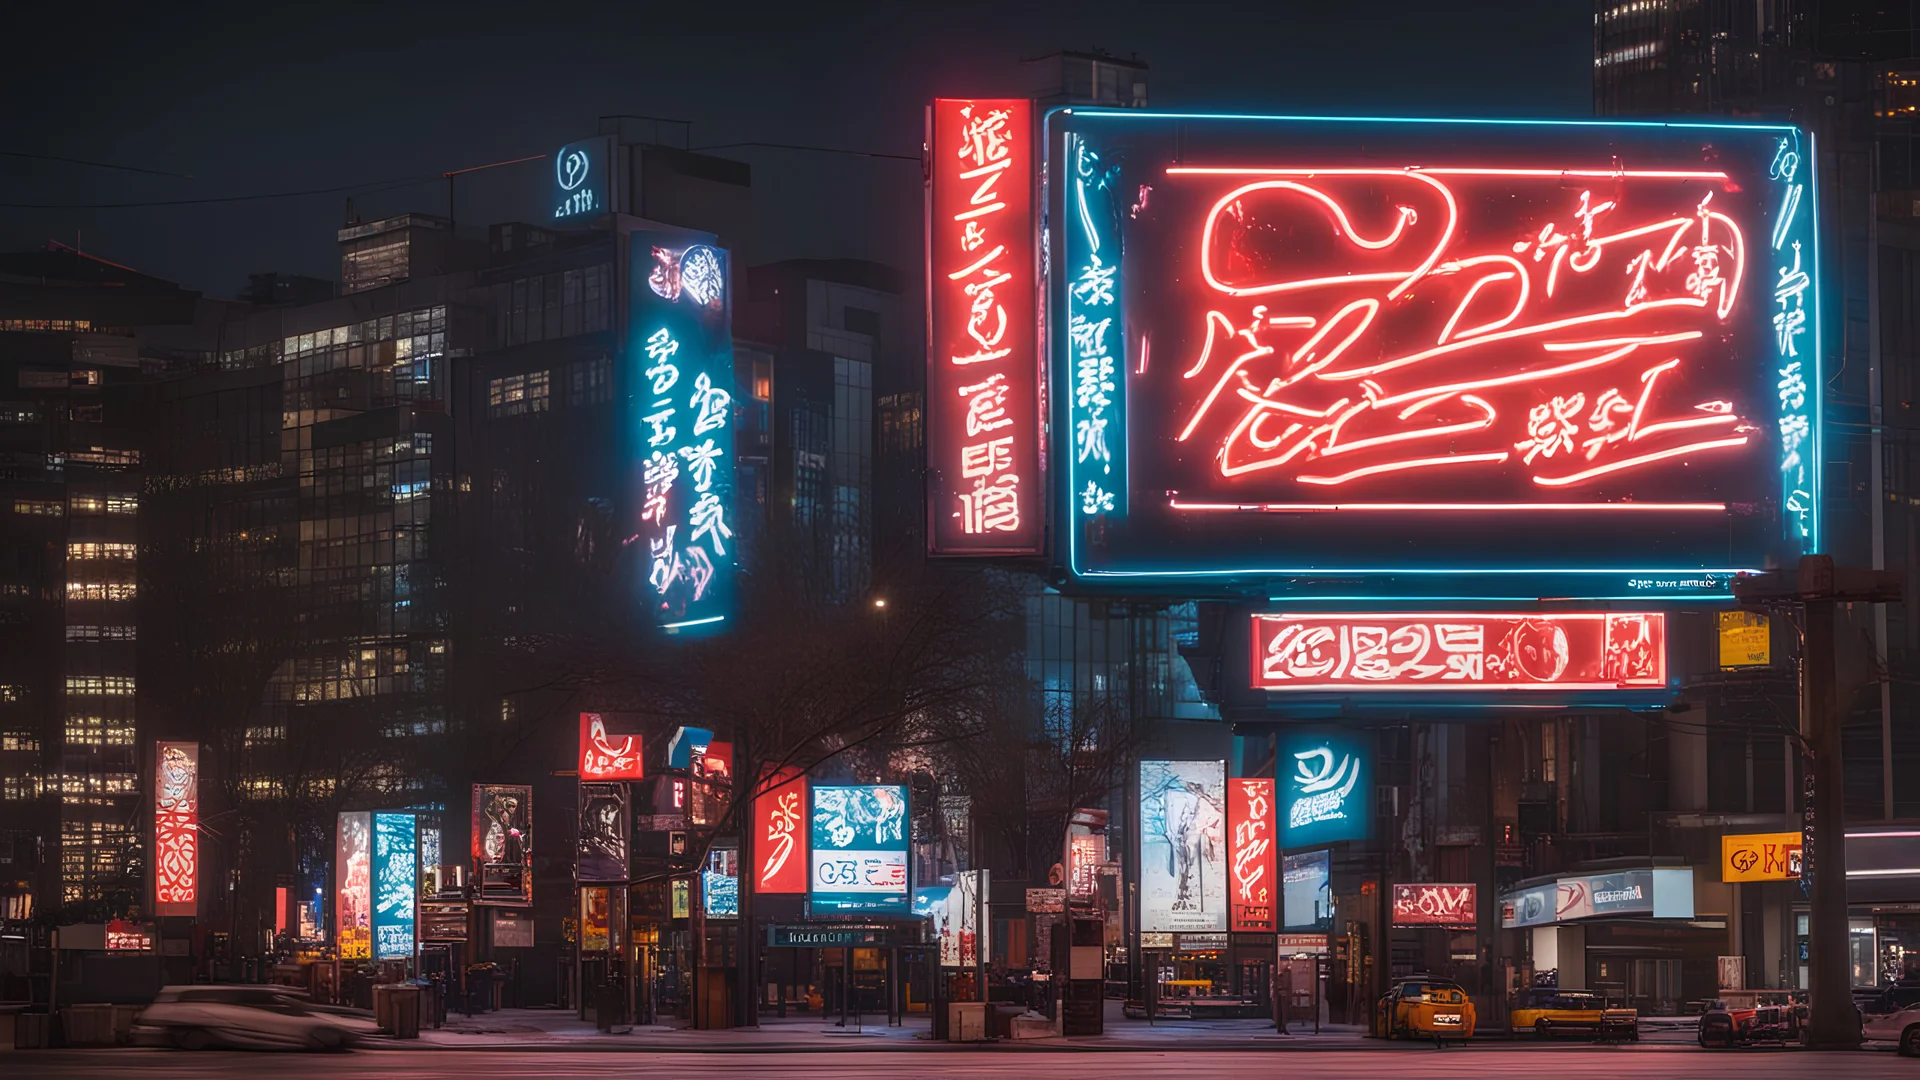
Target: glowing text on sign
[[1253, 888], [1461, 651], [176, 828], [1326, 788], [859, 856], [984, 458]]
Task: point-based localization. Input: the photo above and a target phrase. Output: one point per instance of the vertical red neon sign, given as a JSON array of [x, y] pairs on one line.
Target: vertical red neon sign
[[780, 832], [176, 828], [985, 494], [1251, 875]]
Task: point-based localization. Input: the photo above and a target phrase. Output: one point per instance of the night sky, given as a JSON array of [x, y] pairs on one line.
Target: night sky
[[264, 98]]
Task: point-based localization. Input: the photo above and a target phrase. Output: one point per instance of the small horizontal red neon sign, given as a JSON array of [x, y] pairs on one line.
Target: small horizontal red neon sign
[[1588, 650]]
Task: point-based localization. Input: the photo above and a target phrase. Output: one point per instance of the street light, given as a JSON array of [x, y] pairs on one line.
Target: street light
[[880, 603]]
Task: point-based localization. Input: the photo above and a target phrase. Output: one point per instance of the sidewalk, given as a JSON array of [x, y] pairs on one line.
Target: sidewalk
[[559, 1029]]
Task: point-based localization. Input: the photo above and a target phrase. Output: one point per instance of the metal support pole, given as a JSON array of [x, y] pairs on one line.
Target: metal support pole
[[1833, 1023]]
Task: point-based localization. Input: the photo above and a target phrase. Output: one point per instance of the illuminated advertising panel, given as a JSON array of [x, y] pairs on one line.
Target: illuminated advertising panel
[[1326, 787], [720, 883], [859, 856], [583, 180], [1613, 650], [503, 844], [396, 885], [1253, 888], [1183, 857], [680, 380], [609, 749], [958, 927], [780, 835], [1453, 906], [985, 489], [1760, 857], [176, 828], [603, 832], [1306, 891], [353, 886], [1414, 357]]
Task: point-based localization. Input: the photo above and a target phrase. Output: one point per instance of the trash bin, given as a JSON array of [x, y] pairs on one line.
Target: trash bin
[[967, 1021], [30, 1030], [404, 1009]]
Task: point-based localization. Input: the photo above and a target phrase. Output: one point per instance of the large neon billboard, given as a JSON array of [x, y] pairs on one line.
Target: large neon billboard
[[1592, 650], [1428, 357], [1183, 856], [985, 489], [1254, 893], [859, 851], [176, 828], [353, 885], [396, 884], [680, 361]]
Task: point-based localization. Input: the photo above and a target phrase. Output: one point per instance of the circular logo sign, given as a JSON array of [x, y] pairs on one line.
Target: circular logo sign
[[571, 169]]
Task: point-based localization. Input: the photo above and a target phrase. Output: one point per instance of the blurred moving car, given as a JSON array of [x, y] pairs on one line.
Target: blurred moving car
[[1893, 1016], [245, 1017], [1554, 1012], [1424, 1008]]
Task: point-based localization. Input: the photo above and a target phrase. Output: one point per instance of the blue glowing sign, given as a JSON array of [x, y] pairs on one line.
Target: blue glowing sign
[[396, 884], [1326, 787], [859, 856], [582, 175], [680, 374], [686, 744], [720, 883], [1403, 358]]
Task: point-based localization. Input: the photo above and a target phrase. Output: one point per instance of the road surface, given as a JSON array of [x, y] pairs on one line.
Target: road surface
[[1410, 1062]]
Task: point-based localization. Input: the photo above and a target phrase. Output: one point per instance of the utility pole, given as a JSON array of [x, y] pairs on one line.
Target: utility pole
[[1816, 586]]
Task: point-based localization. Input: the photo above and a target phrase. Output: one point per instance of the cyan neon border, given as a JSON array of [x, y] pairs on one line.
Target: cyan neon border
[[1063, 364]]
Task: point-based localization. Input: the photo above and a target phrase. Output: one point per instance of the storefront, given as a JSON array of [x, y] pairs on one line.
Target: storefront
[[1630, 932]]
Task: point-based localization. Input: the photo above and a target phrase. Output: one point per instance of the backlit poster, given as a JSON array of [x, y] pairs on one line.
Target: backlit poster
[[1306, 892], [962, 933], [1253, 890], [609, 748], [596, 924], [176, 828], [1325, 787], [780, 833], [603, 832], [353, 885], [720, 883], [859, 857], [1454, 906], [503, 844], [1183, 860], [396, 885]]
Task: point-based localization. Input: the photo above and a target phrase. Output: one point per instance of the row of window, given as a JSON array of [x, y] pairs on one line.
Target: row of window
[[94, 632], [100, 590], [106, 685], [98, 731], [98, 549]]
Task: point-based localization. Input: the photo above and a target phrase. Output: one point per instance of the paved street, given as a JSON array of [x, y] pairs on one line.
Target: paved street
[[1424, 1063]]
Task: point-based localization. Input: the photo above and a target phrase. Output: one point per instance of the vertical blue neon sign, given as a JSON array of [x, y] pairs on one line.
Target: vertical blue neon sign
[[680, 369], [1096, 340], [396, 883], [1796, 340]]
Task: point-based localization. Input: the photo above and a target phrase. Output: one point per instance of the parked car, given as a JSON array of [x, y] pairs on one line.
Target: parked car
[[1776, 1017], [245, 1017], [1893, 1016], [1425, 1008], [1554, 1012]]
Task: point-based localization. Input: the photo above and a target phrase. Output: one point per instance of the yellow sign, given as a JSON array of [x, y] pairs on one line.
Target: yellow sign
[[1760, 857], [1745, 640]]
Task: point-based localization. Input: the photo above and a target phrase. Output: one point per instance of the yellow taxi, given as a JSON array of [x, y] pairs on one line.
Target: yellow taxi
[[1425, 1008], [1547, 1013]]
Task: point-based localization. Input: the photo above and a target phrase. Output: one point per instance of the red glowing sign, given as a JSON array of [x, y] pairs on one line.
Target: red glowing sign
[[1436, 905], [607, 756], [985, 490], [1592, 650], [780, 833], [176, 828], [1252, 889]]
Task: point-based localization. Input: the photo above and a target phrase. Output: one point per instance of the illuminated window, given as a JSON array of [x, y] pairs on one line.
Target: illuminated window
[[18, 412], [107, 685], [19, 787], [96, 550], [46, 326], [105, 504], [100, 455], [100, 590], [98, 731], [38, 507], [19, 740], [517, 394], [9, 692], [85, 632]]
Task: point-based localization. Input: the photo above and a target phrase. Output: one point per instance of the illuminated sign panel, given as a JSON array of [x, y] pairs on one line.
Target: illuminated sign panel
[[985, 489], [503, 844], [1326, 787], [780, 834], [1571, 355], [1253, 888], [608, 754], [176, 828], [859, 856], [1421, 651], [1183, 851], [603, 832], [1306, 887], [680, 379], [720, 883], [396, 885], [1746, 639], [1453, 906], [353, 886], [583, 180], [1760, 857]]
